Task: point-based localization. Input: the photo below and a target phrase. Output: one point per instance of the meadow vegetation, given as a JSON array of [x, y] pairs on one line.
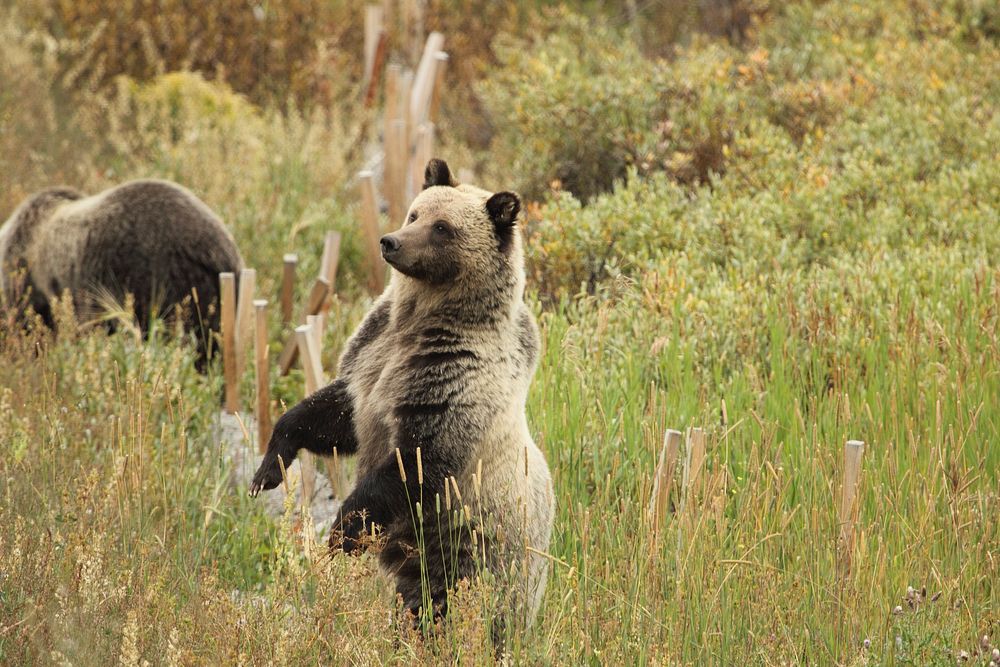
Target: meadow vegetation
[[781, 227]]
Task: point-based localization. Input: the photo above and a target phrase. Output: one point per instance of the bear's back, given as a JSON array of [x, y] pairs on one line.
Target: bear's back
[[144, 218], [133, 237]]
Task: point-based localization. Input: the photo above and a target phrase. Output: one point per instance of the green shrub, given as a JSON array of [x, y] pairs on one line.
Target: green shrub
[[573, 107], [269, 50], [40, 141], [833, 156], [576, 109]]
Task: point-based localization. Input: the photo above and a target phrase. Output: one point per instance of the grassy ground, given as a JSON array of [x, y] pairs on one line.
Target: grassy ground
[[834, 276], [124, 539]]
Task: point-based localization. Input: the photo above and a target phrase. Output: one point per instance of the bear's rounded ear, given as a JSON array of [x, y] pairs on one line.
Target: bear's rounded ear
[[438, 173], [502, 208]]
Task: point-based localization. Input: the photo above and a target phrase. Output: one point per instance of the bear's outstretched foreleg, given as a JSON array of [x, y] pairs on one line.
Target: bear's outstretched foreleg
[[319, 423]]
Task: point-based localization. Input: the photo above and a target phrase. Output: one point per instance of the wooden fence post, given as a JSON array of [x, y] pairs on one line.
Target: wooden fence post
[[423, 151], [440, 65], [315, 323], [391, 139], [290, 351], [332, 465], [663, 479], [244, 316], [369, 220], [694, 463], [397, 163], [263, 372], [288, 287], [329, 262], [227, 308], [853, 450], [423, 80], [307, 352], [393, 82], [373, 26], [413, 25], [405, 90]]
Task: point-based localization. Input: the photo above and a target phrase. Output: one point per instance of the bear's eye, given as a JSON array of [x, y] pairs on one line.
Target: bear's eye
[[441, 228], [413, 217]]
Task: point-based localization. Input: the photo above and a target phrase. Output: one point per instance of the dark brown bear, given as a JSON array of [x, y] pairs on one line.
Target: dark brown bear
[[150, 239]]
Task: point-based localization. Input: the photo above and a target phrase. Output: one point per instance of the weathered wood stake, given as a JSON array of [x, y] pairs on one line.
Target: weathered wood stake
[[423, 80], [263, 372], [244, 316], [694, 462], [440, 65], [369, 220], [334, 472], [853, 450], [227, 308], [288, 287], [393, 81], [381, 50], [413, 26], [390, 182], [290, 351], [397, 163], [329, 262], [331, 465], [307, 352], [373, 31], [664, 477], [316, 323], [405, 90], [423, 151]]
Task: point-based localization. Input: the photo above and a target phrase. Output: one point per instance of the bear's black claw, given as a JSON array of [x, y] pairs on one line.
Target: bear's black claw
[[267, 477]]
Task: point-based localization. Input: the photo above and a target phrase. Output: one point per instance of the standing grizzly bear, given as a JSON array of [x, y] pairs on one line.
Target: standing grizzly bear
[[439, 367], [152, 239]]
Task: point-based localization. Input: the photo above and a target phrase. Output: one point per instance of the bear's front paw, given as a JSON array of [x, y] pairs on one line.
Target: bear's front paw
[[267, 477]]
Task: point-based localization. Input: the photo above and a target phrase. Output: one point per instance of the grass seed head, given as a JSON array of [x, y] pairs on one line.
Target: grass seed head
[[399, 462]]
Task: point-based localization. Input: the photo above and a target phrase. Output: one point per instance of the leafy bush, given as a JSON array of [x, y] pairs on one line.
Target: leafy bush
[[40, 142], [478, 34], [572, 107], [858, 156], [269, 50], [576, 109]]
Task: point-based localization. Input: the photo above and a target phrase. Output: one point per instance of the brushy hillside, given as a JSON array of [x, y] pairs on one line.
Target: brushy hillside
[[785, 230]]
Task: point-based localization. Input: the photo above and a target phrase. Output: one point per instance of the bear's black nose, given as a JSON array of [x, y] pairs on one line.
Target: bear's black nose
[[390, 244]]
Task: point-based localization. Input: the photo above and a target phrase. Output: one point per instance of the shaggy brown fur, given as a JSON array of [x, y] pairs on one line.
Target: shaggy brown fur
[[151, 239], [442, 363]]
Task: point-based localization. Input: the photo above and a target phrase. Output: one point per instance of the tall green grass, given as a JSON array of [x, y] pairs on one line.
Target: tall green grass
[[753, 576]]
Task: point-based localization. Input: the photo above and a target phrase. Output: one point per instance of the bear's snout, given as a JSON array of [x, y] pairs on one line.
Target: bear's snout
[[390, 244]]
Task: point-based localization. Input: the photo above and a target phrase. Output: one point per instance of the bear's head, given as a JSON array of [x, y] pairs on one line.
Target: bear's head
[[19, 228], [453, 232]]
